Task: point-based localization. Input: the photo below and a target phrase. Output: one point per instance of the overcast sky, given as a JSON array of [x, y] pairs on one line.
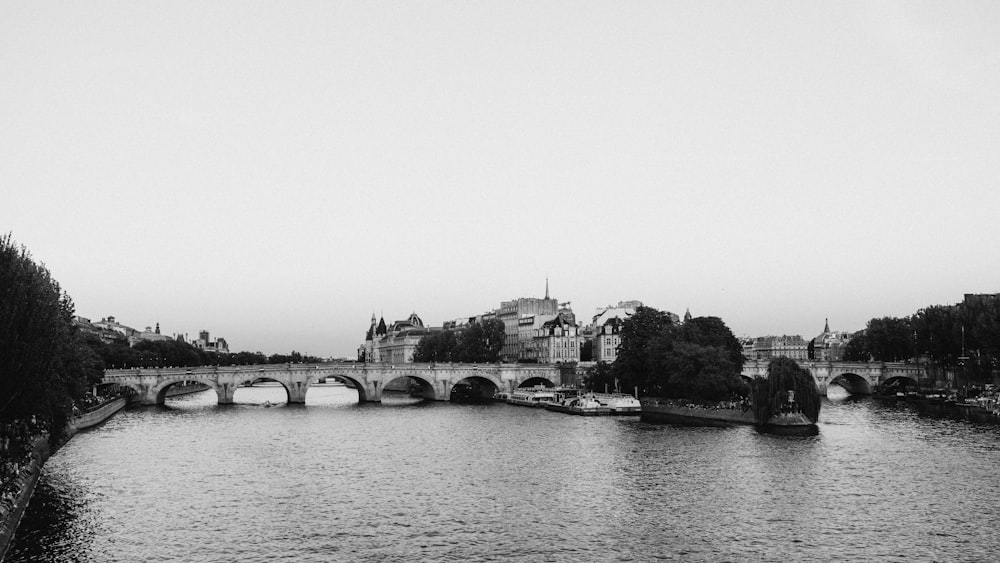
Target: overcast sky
[[275, 172]]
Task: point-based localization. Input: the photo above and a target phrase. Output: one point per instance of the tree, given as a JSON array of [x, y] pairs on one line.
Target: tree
[[856, 349], [699, 360], [479, 342], [770, 395], [436, 347], [633, 368], [587, 351], [889, 339], [600, 376], [694, 371], [44, 364], [711, 331]]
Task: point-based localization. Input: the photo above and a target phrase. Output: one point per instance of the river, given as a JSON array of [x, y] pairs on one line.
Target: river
[[334, 480]]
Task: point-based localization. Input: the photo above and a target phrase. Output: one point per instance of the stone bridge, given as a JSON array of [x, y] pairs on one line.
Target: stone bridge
[[436, 380], [858, 378]]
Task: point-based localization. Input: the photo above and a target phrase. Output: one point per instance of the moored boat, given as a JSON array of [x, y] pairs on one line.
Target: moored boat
[[533, 397], [619, 403], [582, 405]]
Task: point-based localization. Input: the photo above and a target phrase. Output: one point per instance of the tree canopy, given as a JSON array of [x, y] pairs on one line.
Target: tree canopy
[[770, 395], [947, 335], [700, 359], [479, 342], [44, 365]]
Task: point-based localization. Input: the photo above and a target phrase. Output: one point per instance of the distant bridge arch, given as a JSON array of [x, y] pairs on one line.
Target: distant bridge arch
[[861, 378]]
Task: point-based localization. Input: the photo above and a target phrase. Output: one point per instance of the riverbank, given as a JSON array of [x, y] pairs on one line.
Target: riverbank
[[12, 508], [940, 405], [690, 414], [678, 412]]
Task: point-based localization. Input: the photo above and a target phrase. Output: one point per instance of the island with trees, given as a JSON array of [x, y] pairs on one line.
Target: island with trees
[[690, 373]]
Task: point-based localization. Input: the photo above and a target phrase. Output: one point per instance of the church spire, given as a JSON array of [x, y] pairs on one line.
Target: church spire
[[826, 328]]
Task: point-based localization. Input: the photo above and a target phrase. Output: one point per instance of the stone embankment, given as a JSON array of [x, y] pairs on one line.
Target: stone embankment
[[17, 493], [679, 412]]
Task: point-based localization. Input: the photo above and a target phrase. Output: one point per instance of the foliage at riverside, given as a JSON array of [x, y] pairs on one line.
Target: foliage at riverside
[[45, 367], [937, 333], [176, 353], [700, 359], [769, 395], [479, 342]]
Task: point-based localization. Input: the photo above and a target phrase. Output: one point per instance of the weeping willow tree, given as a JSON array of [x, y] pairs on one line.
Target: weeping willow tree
[[770, 396]]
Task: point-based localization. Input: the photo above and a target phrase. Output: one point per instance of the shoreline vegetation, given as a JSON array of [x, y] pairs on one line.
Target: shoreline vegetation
[[49, 378], [51, 374], [691, 372]]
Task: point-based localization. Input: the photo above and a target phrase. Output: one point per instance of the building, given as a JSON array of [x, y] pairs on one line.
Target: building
[[768, 347], [149, 335], [605, 328], [106, 334], [111, 324], [204, 342], [556, 342], [517, 335], [393, 343], [829, 346]]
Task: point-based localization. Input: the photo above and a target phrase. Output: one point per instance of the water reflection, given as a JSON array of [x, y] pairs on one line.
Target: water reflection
[[407, 480]]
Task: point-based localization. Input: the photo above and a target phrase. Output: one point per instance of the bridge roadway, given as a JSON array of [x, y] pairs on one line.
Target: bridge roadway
[[436, 380], [859, 378]]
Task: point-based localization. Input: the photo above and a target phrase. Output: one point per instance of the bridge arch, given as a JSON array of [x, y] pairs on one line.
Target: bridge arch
[[427, 391], [345, 379], [138, 391], [249, 379], [160, 389], [535, 381], [478, 387], [852, 383], [898, 383]]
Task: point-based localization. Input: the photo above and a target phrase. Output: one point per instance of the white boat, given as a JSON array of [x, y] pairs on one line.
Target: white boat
[[619, 403], [583, 405], [533, 397]]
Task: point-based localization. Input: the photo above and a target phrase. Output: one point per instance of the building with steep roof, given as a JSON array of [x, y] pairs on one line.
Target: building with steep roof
[[393, 343], [829, 345], [556, 341]]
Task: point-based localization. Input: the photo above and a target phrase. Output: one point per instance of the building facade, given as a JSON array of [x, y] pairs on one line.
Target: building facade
[[556, 342], [768, 347], [517, 335], [605, 329], [205, 342], [829, 346], [393, 343]]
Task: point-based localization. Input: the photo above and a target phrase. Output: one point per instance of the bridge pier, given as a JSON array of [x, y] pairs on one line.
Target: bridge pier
[[225, 392], [297, 393]]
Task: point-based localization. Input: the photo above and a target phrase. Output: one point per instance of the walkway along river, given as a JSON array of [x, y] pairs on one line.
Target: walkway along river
[[338, 481]]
